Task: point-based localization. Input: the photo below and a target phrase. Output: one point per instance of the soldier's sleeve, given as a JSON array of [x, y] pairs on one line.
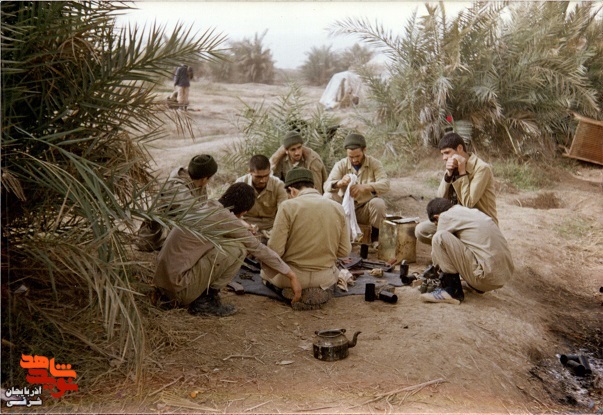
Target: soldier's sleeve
[[266, 255], [337, 173], [381, 183], [279, 233], [345, 245], [281, 193], [444, 188]]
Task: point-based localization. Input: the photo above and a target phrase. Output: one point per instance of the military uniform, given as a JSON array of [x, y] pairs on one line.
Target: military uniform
[[266, 203], [310, 160], [187, 266], [474, 190], [469, 242], [178, 190], [299, 224], [370, 208]]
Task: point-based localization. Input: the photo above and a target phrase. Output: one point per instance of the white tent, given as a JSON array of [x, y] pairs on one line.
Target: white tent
[[343, 90]]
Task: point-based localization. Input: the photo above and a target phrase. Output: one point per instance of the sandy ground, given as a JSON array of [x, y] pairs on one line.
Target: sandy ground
[[495, 353]]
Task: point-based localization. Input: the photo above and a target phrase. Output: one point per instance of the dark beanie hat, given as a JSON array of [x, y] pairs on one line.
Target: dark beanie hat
[[298, 174], [354, 140], [202, 166], [291, 138]]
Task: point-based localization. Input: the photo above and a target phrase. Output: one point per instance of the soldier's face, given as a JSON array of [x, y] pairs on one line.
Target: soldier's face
[[356, 156], [449, 152], [259, 178], [294, 152]]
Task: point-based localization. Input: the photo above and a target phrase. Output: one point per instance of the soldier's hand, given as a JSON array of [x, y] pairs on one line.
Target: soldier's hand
[[345, 180], [295, 286], [461, 163], [356, 190], [451, 165]]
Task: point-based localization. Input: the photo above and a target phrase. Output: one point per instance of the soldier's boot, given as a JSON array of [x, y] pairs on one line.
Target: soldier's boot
[[452, 284], [451, 291], [209, 304]]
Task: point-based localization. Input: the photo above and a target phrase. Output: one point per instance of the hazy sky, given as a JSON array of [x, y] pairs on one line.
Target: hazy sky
[[293, 27]]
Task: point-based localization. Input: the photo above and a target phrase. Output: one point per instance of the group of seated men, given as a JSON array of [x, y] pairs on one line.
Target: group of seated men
[[289, 203]]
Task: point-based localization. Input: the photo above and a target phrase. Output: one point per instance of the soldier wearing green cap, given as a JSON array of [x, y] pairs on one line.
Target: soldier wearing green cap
[[183, 186], [292, 154], [294, 238], [372, 183]]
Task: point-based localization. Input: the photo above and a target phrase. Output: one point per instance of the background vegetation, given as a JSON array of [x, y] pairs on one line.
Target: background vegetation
[[264, 127], [513, 72], [245, 61]]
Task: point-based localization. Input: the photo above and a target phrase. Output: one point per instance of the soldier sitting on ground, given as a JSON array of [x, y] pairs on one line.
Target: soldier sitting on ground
[[372, 182], [468, 244], [191, 271], [269, 194], [292, 154], [184, 186], [299, 222]]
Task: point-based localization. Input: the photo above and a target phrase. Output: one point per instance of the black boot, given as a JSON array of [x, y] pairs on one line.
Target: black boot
[[374, 234], [209, 304], [431, 272], [452, 284]]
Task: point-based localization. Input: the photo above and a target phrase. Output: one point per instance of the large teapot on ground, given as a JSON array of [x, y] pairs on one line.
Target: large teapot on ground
[[331, 345]]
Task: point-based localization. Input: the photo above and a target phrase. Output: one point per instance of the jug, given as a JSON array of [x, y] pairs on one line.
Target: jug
[[331, 345]]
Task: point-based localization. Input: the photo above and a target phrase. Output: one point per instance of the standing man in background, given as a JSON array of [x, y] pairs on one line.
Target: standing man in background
[[182, 83]]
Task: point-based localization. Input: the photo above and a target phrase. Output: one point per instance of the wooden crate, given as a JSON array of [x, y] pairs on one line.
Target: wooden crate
[[587, 144]]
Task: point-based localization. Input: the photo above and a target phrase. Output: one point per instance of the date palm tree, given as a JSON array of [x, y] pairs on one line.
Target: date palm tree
[[515, 78], [320, 65], [254, 62], [78, 106]]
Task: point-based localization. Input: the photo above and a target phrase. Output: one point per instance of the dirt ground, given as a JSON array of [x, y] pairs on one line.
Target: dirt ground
[[495, 353]]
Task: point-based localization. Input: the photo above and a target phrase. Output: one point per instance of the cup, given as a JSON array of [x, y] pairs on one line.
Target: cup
[[369, 292], [403, 269], [364, 251], [388, 297]]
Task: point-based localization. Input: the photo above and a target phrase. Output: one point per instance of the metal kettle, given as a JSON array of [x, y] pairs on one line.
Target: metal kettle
[[331, 345]]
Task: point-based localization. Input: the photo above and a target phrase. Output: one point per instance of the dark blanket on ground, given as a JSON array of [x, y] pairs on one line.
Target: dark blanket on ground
[[252, 282]]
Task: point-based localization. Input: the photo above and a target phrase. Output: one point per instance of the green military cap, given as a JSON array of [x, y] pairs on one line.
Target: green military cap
[[354, 140], [291, 138], [298, 174], [202, 166]]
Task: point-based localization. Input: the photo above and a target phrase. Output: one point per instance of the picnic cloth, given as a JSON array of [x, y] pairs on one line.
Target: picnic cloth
[[252, 282]]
